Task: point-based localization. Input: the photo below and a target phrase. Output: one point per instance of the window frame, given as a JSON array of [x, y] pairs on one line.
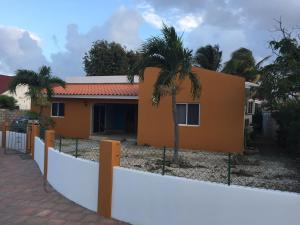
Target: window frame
[[58, 109], [186, 115], [250, 106]]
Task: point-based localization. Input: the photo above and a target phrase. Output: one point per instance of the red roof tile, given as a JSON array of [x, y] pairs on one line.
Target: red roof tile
[[4, 83], [98, 89]]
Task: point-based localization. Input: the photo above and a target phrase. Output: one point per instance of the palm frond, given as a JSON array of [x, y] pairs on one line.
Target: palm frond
[[258, 65], [23, 77], [57, 81], [195, 85], [45, 71], [165, 80]]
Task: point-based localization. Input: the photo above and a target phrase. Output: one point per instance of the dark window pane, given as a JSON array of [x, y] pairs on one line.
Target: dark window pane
[[193, 114], [61, 109], [181, 113], [54, 109], [250, 107]]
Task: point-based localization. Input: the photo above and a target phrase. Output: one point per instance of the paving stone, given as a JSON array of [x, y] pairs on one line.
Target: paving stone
[[25, 201]]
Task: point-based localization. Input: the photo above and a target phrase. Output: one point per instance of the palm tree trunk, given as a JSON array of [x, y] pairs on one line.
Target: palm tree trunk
[[176, 131]]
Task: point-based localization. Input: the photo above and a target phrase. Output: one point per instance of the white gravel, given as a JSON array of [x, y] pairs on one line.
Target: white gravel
[[279, 173]]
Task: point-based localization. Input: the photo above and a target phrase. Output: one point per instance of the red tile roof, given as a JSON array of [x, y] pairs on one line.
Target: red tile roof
[[4, 83], [98, 89]]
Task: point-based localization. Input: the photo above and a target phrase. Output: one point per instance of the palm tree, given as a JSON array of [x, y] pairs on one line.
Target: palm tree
[[40, 85], [209, 57], [175, 62], [242, 63]]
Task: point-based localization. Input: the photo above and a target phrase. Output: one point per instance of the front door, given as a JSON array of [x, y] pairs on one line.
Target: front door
[[98, 118]]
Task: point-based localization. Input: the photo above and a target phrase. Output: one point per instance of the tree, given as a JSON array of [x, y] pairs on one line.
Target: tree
[[108, 59], [242, 63], [280, 82], [40, 85], [7, 102], [280, 87], [209, 57], [175, 62]]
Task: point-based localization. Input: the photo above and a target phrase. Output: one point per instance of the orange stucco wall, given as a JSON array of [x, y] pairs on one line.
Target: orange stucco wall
[[221, 113], [78, 115]]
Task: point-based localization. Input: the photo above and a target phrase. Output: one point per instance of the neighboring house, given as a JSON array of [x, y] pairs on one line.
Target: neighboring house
[[109, 104], [23, 101], [252, 105]]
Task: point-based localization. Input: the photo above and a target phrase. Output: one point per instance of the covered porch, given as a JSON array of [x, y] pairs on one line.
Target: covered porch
[[114, 119]]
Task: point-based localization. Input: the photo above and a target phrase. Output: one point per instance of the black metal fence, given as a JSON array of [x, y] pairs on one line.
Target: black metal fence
[[165, 161], [76, 146]]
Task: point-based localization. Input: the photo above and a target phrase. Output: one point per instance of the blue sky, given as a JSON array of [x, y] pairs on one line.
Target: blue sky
[[58, 33]]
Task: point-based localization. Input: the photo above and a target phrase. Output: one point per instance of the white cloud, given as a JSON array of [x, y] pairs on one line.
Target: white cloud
[[230, 23], [152, 18], [122, 27], [189, 22], [19, 49]]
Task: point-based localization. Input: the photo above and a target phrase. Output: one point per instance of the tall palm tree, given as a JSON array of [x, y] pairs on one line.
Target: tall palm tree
[[40, 85], [242, 63], [175, 62], [209, 57]]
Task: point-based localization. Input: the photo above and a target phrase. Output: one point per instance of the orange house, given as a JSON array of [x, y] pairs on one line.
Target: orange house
[[109, 104]]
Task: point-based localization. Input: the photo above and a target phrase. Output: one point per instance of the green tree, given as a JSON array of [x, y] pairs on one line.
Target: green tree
[[108, 59], [280, 87], [7, 102], [209, 57], [175, 62], [40, 85], [242, 63], [280, 82]]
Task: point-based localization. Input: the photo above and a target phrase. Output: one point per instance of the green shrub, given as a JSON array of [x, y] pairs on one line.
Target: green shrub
[[45, 122], [288, 120], [7, 102]]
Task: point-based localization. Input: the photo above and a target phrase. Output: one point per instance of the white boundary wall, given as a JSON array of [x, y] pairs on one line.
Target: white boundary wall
[[16, 141], [75, 178], [39, 153], [142, 198]]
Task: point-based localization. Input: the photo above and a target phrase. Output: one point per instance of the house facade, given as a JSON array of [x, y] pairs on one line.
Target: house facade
[[110, 105], [23, 101]]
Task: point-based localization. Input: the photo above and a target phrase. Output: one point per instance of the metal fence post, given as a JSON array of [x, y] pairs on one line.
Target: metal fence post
[[164, 161], [229, 169], [60, 143], [76, 148]]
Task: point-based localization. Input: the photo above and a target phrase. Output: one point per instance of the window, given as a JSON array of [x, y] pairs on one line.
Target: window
[[250, 107], [58, 109], [188, 114]]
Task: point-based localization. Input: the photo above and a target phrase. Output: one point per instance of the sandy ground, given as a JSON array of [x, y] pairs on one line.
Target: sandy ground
[[278, 172]]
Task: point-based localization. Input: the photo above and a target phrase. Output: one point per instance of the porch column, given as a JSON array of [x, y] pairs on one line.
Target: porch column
[[35, 130]]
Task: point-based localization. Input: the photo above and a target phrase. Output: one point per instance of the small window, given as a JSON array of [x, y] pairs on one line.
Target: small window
[[250, 107], [58, 109], [181, 113], [188, 114]]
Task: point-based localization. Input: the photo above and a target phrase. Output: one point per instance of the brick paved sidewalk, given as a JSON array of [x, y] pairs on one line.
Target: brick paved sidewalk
[[24, 200]]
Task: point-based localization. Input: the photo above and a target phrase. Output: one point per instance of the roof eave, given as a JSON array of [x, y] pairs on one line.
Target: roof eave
[[123, 97]]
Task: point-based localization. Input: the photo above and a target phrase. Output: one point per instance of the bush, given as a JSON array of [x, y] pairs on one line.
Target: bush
[[45, 122], [7, 102], [288, 120]]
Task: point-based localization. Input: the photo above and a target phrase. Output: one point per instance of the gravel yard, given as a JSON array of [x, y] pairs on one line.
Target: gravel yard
[[271, 172]]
